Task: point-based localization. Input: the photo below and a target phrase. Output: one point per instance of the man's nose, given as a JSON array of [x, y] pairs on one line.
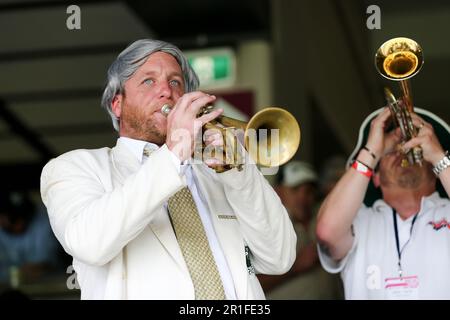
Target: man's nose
[[165, 91]]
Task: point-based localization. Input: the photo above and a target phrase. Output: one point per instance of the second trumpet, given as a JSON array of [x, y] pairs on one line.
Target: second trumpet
[[399, 59]]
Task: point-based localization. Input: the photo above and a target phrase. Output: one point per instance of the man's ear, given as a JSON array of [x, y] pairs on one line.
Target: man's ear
[[116, 105], [376, 179]]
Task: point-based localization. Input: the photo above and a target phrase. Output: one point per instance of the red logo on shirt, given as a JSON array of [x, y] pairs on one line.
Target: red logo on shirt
[[440, 224]]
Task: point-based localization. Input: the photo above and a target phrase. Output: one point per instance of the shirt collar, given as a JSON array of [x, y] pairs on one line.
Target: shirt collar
[[136, 147], [432, 200], [427, 202]]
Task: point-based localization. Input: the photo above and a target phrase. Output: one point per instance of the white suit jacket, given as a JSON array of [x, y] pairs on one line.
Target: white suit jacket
[[108, 212]]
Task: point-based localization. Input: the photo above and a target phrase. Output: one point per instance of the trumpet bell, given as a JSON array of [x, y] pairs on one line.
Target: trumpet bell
[[265, 149], [265, 153], [399, 59]]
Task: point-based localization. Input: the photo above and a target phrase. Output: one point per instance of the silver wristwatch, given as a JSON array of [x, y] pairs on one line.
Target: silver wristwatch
[[442, 164]]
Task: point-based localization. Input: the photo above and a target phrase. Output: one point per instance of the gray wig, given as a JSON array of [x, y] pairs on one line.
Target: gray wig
[[130, 59]]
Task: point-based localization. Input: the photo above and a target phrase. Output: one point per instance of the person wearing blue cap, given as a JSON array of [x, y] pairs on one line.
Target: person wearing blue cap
[[385, 226]]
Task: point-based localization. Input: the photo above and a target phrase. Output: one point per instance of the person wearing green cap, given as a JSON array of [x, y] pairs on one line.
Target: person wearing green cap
[[385, 226]]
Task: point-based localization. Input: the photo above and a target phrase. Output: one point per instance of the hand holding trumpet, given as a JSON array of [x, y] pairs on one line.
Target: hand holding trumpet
[[229, 137], [382, 143], [183, 125], [426, 139]]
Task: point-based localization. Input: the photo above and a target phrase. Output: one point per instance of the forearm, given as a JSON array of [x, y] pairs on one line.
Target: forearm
[[264, 221], [444, 177], [339, 209]]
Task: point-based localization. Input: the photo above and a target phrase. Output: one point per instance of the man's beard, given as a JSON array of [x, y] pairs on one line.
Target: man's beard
[[142, 127]]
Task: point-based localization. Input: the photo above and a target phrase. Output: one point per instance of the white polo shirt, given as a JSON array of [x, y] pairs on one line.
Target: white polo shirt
[[370, 268]]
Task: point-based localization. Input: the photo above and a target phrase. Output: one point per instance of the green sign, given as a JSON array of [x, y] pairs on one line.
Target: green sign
[[215, 68]]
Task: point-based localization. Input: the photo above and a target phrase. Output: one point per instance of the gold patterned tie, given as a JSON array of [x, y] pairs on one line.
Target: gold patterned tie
[[194, 245]]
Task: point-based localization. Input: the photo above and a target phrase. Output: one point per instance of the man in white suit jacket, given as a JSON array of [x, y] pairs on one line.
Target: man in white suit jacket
[[108, 207]]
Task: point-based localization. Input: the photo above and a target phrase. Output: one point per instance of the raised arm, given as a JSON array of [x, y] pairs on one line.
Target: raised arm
[[340, 207], [431, 148]]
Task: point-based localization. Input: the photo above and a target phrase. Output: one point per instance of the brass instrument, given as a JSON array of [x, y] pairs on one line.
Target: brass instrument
[[268, 118], [399, 59]]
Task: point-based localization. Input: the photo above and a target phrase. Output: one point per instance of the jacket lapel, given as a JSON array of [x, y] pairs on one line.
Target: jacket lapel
[[162, 228], [123, 161], [125, 164]]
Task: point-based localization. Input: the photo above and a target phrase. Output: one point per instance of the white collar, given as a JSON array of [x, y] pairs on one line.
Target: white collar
[[427, 202], [137, 146]]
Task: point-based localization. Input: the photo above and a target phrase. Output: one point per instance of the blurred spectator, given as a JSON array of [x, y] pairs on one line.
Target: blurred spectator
[[297, 186], [332, 170], [28, 249]]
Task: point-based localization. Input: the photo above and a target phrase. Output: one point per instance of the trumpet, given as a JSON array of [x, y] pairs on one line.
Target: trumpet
[[399, 59], [268, 119]]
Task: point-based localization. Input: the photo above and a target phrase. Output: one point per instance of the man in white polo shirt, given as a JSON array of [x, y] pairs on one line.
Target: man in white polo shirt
[[398, 246]]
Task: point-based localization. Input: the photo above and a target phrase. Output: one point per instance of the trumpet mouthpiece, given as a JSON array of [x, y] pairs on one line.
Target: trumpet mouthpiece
[[165, 109]]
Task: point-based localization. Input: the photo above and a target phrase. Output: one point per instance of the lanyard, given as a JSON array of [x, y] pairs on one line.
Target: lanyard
[[397, 241]]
